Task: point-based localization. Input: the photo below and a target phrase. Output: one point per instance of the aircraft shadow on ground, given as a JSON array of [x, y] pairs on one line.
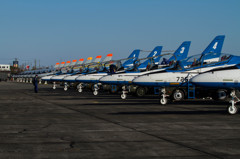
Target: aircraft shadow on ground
[[189, 112], [199, 102], [120, 103]]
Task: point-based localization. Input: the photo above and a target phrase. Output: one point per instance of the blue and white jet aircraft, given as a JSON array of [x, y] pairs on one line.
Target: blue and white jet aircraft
[[174, 82], [149, 66], [93, 78], [87, 69], [224, 82], [63, 71]]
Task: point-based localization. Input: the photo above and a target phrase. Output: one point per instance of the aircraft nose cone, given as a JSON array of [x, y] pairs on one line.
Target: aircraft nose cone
[[203, 79]]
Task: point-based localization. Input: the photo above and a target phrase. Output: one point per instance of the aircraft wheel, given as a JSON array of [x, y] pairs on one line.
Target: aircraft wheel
[[123, 96], [232, 109], [95, 92], [163, 101], [222, 94], [178, 95], [140, 92]]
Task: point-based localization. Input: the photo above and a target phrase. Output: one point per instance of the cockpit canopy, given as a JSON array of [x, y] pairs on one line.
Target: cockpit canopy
[[202, 61]]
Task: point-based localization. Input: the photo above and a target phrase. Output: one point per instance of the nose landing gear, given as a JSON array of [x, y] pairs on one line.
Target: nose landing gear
[[65, 86], [124, 92], [54, 85], [163, 98], [233, 109], [96, 88], [80, 87]]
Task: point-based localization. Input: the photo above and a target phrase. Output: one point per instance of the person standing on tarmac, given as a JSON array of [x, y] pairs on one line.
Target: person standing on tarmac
[[35, 83]]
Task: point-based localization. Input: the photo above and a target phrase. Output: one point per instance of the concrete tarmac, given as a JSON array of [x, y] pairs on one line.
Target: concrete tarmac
[[59, 124]]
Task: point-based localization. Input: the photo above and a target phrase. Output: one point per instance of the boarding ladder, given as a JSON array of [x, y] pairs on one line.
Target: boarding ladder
[[191, 90]]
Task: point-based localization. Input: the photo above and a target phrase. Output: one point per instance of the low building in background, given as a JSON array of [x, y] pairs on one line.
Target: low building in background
[[5, 72]]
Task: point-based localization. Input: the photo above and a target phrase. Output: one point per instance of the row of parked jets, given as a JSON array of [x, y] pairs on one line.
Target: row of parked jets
[[174, 76]]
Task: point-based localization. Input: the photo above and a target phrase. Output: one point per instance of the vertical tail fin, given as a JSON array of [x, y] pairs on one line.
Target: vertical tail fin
[[67, 63], [214, 48], [156, 52], [80, 61], [78, 65], [73, 62], [57, 65], [134, 56], [181, 52], [62, 64], [89, 59], [216, 45], [98, 59], [108, 58]]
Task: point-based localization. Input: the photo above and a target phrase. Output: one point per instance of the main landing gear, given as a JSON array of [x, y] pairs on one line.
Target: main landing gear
[[178, 95], [233, 109]]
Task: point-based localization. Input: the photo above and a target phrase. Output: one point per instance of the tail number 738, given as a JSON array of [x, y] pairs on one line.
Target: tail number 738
[[182, 79]]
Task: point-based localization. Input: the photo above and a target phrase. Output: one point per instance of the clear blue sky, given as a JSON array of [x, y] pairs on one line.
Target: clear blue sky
[[54, 30]]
